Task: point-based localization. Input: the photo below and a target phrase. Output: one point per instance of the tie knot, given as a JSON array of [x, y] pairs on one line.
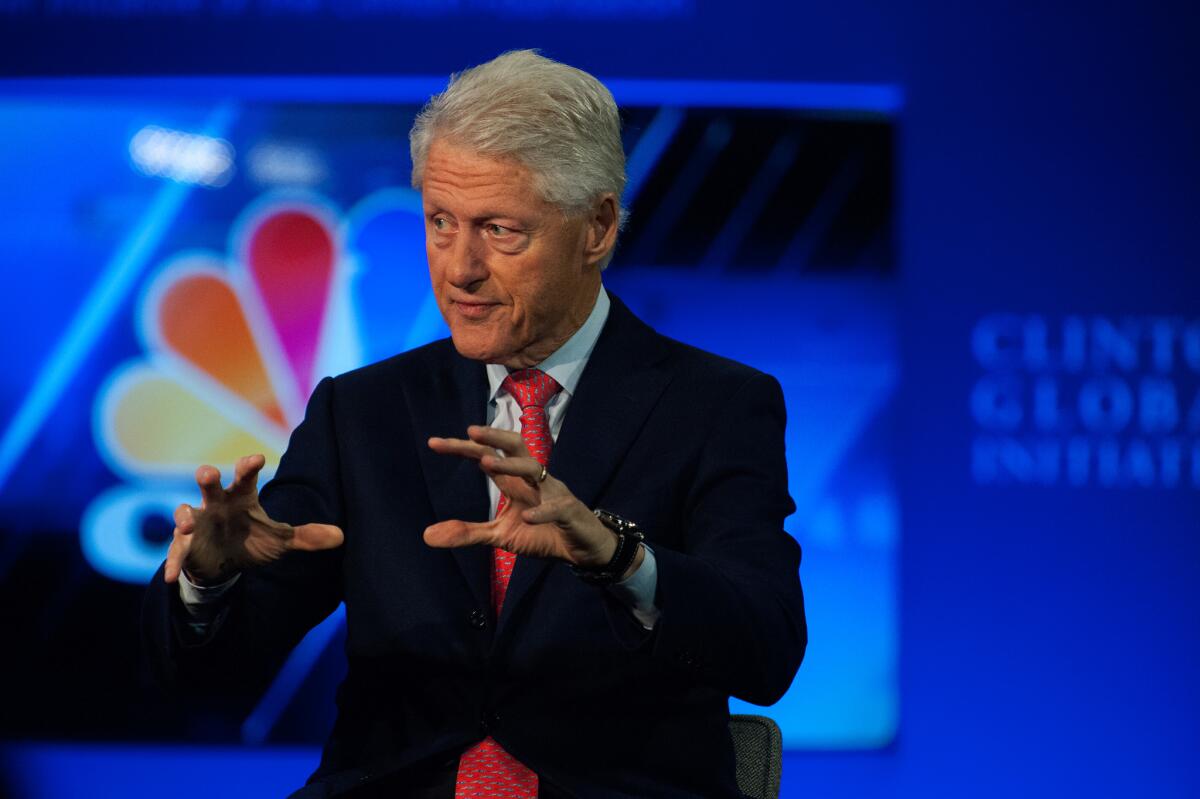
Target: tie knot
[[531, 387]]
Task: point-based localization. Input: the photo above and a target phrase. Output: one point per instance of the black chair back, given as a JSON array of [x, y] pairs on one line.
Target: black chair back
[[758, 746]]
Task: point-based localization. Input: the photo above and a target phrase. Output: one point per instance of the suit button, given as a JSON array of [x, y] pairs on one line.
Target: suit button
[[488, 720], [478, 619]]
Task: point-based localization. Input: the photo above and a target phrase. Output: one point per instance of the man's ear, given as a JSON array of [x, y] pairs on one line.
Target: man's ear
[[601, 229]]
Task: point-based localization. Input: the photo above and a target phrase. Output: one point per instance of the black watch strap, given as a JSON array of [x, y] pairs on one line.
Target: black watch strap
[[629, 539]]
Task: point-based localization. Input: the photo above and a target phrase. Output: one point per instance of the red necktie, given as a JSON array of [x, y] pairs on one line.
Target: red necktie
[[486, 771]]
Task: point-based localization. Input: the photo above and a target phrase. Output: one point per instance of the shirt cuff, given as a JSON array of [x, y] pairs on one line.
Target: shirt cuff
[[637, 591], [200, 600]]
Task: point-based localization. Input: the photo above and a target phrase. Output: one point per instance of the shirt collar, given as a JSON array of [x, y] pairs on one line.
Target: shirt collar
[[566, 363]]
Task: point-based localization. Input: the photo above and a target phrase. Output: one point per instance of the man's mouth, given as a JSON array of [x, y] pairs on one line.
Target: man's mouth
[[473, 310]]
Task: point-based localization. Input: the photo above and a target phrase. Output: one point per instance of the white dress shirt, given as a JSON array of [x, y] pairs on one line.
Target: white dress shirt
[[566, 366]]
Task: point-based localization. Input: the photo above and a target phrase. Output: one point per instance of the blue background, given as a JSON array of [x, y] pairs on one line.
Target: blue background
[[1048, 165]]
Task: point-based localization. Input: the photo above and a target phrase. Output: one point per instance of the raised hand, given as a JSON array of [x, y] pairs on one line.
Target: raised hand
[[230, 531], [542, 517]]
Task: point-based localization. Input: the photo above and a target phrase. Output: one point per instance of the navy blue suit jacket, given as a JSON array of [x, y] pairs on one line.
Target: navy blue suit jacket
[[687, 444]]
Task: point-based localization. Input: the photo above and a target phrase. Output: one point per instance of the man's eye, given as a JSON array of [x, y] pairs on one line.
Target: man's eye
[[498, 230], [440, 223]]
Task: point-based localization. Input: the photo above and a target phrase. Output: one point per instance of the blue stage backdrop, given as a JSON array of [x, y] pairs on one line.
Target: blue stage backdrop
[[983, 299]]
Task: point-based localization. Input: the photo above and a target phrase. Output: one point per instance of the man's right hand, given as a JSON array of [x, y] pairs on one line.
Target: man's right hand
[[230, 531]]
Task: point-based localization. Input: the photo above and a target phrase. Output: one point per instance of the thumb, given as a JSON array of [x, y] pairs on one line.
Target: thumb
[[455, 533], [315, 537]]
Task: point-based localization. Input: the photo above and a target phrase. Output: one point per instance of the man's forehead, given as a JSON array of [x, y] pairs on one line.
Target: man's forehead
[[453, 172], [448, 153]]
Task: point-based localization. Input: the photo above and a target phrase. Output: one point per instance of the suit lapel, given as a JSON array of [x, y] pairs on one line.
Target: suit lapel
[[619, 387], [455, 397]]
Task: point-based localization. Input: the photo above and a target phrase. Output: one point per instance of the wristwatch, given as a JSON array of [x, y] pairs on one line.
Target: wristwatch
[[629, 537]]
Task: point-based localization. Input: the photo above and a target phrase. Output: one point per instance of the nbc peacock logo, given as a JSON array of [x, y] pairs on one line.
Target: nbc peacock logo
[[233, 347], [234, 343]]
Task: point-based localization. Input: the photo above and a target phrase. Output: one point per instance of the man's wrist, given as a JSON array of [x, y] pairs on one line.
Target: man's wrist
[[196, 595], [638, 591], [609, 541], [207, 578], [625, 555], [197, 581], [638, 559]]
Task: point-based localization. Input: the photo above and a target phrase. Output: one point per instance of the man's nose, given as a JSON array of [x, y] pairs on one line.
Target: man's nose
[[468, 266]]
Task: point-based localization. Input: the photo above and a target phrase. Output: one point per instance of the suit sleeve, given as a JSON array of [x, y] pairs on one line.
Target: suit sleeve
[[731, 603], [270, 608]]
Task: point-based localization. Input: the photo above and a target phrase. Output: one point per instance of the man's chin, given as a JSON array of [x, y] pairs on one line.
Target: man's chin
[[488, 352], [475, 349]]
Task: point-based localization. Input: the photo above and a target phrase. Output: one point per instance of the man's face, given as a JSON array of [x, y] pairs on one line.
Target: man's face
[[512, 275]]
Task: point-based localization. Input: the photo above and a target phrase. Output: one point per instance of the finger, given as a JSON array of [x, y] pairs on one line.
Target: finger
[[176, 554], [185, 519], [457, 533], [209, 480], [508, 442], [524, 467], [245, 474], [564, 512], [316, 537], [457, 446], [519, 487], [517, 490]]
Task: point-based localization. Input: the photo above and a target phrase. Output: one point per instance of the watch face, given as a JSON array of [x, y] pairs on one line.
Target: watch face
[[614, 522]]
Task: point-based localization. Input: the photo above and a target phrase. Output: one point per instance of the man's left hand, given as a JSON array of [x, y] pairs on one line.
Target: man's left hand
[[542, 517]]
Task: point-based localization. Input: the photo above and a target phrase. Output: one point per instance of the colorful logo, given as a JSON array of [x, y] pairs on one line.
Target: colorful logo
[[234, 346]]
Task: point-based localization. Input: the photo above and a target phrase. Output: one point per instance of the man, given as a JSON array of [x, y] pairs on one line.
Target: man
[[479, 504]]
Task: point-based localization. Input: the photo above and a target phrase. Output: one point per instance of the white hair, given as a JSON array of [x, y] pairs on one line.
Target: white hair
[[557, 120]]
